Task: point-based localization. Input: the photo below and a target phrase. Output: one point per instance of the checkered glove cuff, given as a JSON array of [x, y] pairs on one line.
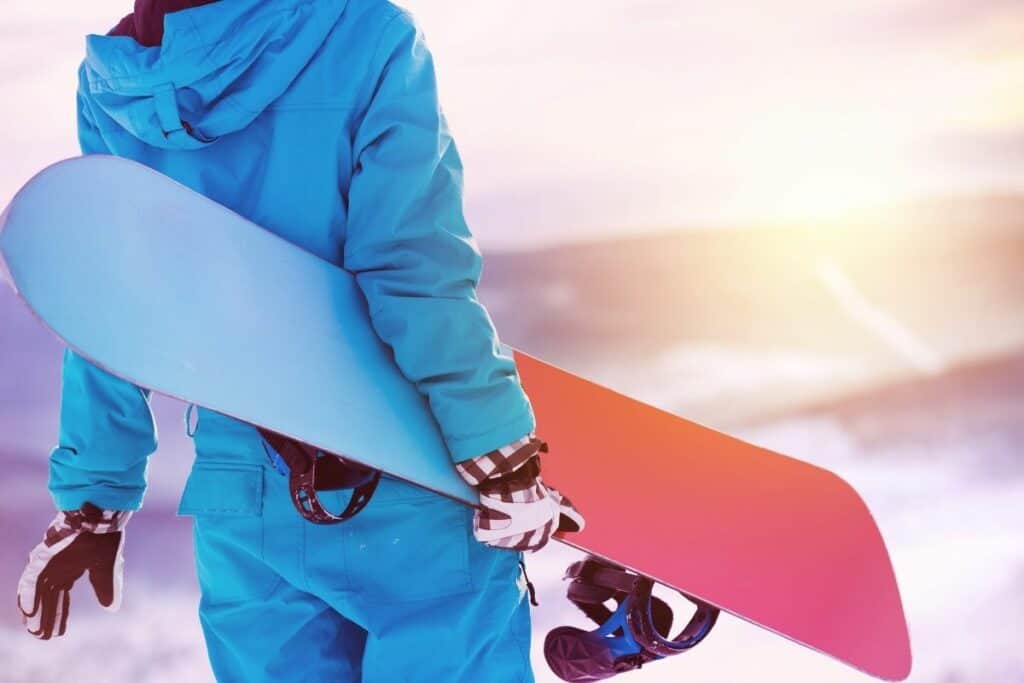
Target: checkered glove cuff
[[89, 519], [501, 461]]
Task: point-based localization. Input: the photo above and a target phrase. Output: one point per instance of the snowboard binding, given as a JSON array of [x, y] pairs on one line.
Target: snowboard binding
[[310, 470], [635, 633]]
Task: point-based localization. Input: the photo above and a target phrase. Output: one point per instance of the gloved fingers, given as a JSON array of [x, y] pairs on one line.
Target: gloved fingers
[[33, 620], [106, 572], [518, 526], [49, 613], [28, 594], [44, 587], [497, 519], [570, 519], [514, 526], [490, 519], [65, 609], [56, 606], [30, 606], [36, 594], [531, 541], [104, 586], [38, 559]]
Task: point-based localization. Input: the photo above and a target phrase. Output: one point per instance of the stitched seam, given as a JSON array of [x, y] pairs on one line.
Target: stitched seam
[[372, 85]]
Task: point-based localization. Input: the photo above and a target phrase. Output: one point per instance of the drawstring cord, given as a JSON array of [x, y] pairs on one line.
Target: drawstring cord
[[189, 429], [529, 584]]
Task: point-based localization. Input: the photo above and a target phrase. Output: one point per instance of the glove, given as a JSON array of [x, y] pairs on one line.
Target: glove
[[517, 511], [87, 539]]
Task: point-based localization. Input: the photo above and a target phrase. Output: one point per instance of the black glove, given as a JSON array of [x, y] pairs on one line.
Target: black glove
[[85, 540]]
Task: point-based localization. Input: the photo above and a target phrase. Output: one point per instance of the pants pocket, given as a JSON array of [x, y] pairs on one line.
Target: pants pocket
[[413, 549], [226, 503]]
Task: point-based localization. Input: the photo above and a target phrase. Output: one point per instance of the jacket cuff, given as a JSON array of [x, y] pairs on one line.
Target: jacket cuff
[[106, 485], [106, 497], [465, 448]]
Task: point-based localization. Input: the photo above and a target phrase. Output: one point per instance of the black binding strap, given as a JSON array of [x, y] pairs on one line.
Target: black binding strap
[[312, 470], [654, 637], [595, 581]]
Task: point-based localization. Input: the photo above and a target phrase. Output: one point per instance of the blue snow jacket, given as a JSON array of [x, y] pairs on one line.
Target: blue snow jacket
[[319, 120]]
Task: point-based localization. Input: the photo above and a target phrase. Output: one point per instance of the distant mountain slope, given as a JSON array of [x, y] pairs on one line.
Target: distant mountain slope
[[978, 403], [760, 285], [952, 284]]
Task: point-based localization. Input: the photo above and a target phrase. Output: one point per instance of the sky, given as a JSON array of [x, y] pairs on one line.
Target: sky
[[578, 120]]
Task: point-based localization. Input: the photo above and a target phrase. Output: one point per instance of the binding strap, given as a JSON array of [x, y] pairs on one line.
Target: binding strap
[[633, 634], [311, 469]]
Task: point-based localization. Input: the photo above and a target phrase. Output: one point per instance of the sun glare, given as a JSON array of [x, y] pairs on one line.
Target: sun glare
[[809, 167]]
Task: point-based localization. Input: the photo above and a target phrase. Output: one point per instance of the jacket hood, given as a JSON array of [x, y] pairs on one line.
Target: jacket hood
[[217, 68]]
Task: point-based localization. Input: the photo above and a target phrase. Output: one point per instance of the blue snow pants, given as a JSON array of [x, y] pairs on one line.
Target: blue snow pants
[[400, 592]]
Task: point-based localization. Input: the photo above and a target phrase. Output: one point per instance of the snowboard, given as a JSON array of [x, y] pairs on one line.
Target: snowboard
[[176, 293]]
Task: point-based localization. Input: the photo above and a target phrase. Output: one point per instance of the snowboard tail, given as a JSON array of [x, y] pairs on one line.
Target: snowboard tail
[[781, 543]]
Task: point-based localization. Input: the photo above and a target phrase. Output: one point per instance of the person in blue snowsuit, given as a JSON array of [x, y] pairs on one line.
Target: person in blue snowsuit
[[319, 120]]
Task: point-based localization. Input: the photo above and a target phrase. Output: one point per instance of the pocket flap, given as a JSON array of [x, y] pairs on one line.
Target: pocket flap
[[228, 489]]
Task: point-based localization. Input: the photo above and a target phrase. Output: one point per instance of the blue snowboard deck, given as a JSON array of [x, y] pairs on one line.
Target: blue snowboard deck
[[191, 293]]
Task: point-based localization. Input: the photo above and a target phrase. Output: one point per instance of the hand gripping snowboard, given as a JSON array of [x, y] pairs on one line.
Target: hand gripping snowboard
[[178, 294]]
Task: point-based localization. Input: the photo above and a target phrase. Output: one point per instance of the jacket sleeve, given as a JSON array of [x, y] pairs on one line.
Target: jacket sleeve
[[415, 260], [106, 426]]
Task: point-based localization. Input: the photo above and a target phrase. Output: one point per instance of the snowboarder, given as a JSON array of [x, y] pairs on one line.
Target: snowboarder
[[317, 119]]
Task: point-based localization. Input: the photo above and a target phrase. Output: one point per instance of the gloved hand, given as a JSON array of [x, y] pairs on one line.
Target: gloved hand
[[518, 511], [87, 539]]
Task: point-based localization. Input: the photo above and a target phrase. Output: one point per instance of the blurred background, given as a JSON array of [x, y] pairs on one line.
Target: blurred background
[[798, 222]]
